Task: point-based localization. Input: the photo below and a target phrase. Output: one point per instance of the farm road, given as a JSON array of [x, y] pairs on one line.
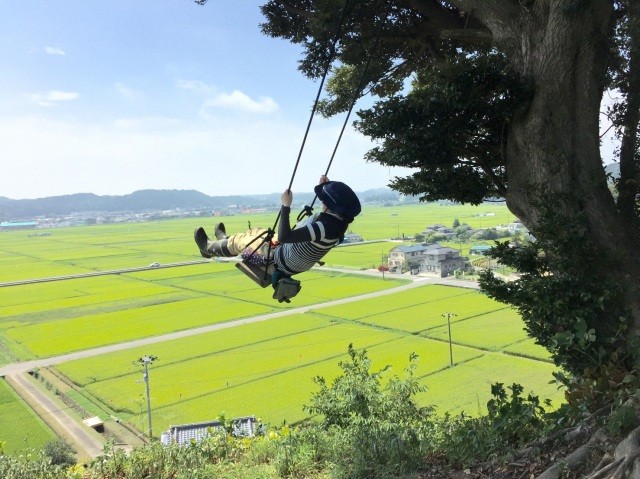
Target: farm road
[[86, 445], [21, 367]]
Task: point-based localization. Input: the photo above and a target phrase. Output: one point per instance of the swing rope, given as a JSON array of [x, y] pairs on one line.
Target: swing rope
[[320, 87], [268, 235], [308, 210]]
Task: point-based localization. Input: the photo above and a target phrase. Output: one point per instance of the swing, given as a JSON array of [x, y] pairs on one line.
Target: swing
[[263, 272]]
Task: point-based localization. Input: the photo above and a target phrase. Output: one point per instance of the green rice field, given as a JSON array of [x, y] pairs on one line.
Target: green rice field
[[48, 319], [265, 369], [20, 428], [27, 254], [261, 368]]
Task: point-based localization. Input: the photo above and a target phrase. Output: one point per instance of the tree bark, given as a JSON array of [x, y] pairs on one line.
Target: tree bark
[[553, 146]]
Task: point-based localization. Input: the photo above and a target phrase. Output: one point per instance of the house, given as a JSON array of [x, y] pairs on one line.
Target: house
[[442, 261], [185, 434], [352, 238], [429, 258], [406, 257]]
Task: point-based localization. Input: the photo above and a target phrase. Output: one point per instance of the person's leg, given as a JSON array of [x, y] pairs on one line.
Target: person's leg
[[229, 246], [252, 238], [209, 248]]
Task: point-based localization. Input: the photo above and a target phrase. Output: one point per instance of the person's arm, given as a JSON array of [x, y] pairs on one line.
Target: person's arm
[[285, 233]]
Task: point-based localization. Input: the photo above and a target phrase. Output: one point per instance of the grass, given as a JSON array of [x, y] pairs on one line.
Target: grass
[[20, 428], [261, 368]]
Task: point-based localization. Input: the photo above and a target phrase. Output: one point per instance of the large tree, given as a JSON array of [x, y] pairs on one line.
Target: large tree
[[502, 98]]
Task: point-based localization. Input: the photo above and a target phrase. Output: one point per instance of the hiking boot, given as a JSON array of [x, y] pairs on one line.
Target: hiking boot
[[202, 240], [209, 248], [219, 231]]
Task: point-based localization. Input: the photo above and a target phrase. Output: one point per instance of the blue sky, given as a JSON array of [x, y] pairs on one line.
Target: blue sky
[[114, 96]]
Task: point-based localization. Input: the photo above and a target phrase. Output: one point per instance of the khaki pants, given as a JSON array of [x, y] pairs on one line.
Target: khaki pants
[[238, 242]]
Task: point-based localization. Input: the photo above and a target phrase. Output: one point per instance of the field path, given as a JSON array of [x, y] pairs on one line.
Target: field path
[[417, 281], [86, 445]]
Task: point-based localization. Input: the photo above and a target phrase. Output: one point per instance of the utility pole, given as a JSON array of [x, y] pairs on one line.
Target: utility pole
[[145, 361], [448, 316]]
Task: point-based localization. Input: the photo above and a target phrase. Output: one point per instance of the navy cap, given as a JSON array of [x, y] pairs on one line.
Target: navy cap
[[339, 198]]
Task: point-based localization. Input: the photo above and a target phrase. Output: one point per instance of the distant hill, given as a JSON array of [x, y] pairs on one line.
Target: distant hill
[[154, 200]]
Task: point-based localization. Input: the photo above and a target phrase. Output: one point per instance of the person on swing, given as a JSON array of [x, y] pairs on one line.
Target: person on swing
[[294, 250]]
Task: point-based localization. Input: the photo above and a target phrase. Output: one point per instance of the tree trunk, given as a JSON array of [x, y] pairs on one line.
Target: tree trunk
[[553, 147]]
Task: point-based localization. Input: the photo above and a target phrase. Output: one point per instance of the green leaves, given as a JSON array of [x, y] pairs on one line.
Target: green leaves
[[377, 428]]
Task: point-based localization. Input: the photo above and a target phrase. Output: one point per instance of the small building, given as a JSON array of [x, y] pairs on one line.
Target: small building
[[18, 225], [439, 229], [352, 238], [482, 249], [94, 422], [185, 434], [517, 226]]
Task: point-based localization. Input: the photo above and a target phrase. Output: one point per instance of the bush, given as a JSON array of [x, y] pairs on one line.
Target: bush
[[374, 430], [60, 453], [511, 422]]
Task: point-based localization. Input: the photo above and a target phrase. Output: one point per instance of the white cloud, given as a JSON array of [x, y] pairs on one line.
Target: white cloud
[[236, 100], [124, 90], [54, 51], [148, 122], [196, 86], [51, 97], [57, 95]]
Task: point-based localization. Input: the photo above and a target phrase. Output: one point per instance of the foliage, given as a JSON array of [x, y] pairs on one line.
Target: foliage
[[60, 453], [302, 451], [605, 386], [512, 421], [566, 310], [35, 465], [377, 430]]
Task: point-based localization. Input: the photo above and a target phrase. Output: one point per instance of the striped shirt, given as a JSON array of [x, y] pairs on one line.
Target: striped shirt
[[301, 248]]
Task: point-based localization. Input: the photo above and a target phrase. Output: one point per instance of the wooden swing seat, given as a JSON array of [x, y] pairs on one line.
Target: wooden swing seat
[[256, 273]]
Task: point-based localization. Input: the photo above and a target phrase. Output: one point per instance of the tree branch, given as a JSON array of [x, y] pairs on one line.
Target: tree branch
[[448, 24], [490, 12], [295, 10]]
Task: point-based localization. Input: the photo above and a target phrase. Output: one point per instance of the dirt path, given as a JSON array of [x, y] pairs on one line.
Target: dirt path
[[84, 442]]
